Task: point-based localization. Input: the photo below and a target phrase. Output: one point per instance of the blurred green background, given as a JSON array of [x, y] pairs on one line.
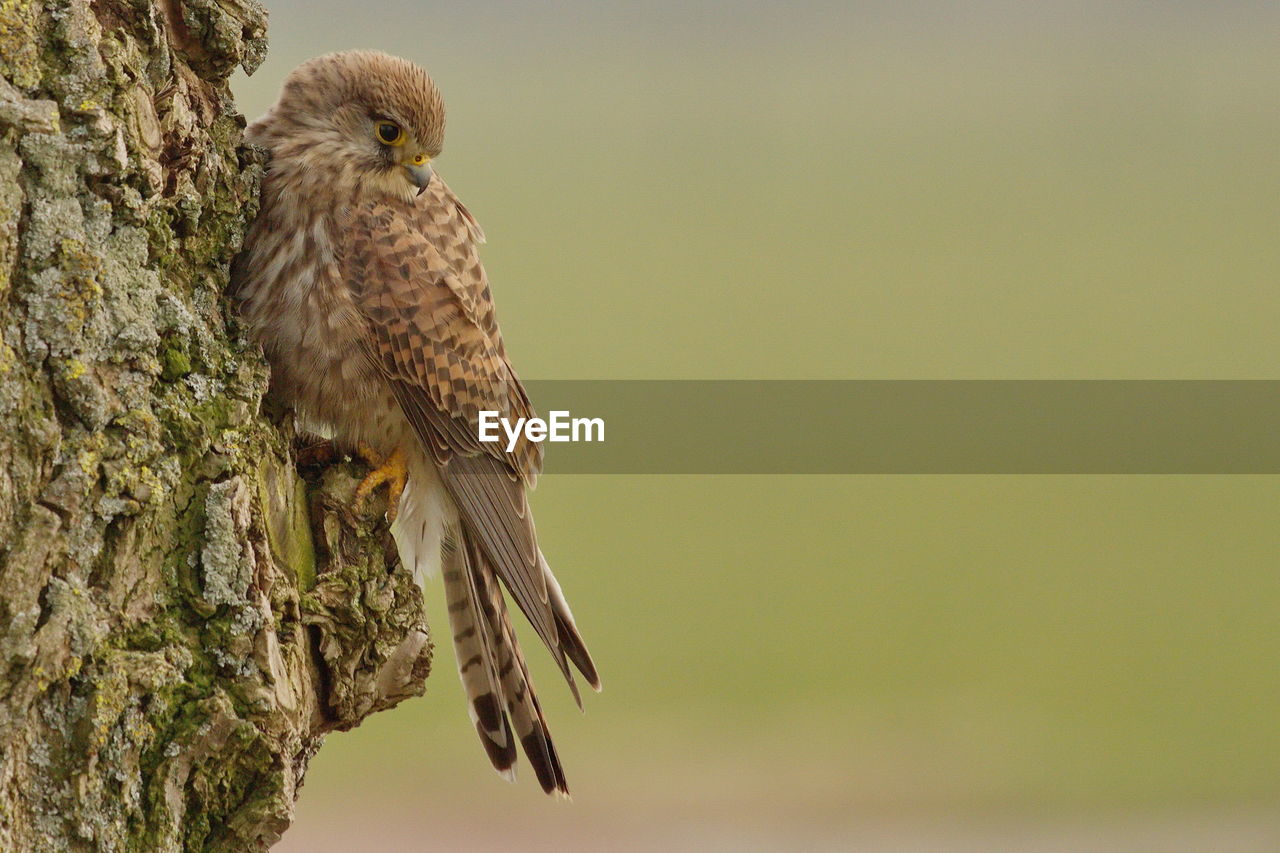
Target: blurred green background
[[862, 190]]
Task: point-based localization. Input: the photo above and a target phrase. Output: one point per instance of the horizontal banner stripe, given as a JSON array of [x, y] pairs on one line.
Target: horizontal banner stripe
[[918, 426]]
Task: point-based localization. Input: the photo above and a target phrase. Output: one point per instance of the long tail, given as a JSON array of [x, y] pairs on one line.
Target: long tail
[[500, 695], [499, 690], [477, 657]]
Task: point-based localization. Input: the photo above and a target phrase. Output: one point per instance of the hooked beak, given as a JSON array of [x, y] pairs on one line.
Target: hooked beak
[[420, 176]]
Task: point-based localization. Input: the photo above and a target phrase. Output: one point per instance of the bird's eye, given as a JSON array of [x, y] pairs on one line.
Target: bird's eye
[[390, 133]]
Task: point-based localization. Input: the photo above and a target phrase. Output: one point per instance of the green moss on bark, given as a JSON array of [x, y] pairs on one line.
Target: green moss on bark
[[181, 617]]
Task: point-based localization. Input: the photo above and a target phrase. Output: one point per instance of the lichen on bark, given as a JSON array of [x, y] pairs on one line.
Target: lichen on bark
[[182, 617]]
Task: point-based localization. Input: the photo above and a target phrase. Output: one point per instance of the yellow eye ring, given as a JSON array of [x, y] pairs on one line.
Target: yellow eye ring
[[389, 133]]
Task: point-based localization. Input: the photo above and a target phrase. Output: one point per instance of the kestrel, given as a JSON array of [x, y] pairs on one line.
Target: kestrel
[[361, 279]]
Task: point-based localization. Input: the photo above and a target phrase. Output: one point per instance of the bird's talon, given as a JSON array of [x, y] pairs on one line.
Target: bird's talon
[[391, 471]]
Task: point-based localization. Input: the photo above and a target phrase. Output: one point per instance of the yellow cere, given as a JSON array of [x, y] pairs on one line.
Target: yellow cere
[[420, 159]]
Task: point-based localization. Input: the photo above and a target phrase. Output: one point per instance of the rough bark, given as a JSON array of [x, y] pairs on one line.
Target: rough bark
[[182, 616]]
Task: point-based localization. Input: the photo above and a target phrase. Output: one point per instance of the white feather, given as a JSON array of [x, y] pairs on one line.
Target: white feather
[[425, 510]]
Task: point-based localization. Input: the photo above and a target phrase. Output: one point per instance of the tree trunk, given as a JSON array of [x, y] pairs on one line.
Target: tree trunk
[[182, 617]]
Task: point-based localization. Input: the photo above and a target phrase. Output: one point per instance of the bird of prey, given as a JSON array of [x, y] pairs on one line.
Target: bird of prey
[[361, 279]]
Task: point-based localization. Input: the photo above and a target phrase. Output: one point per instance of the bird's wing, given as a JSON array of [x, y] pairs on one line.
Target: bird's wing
[[415, 274]]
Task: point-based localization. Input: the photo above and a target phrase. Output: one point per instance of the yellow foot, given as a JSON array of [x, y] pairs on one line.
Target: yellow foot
[[391, 471]]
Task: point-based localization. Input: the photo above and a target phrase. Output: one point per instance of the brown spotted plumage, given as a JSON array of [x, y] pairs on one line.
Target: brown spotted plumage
[[362, 280]]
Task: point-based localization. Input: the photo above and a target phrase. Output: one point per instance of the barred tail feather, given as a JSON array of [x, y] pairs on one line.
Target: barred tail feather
[[500, 695], [477, 658], [517, 687]]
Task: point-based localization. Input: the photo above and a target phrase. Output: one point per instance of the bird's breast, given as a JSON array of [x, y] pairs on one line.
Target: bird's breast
[[301, 311]]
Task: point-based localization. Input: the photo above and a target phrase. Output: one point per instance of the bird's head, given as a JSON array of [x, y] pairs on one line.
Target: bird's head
[[362, 123]]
